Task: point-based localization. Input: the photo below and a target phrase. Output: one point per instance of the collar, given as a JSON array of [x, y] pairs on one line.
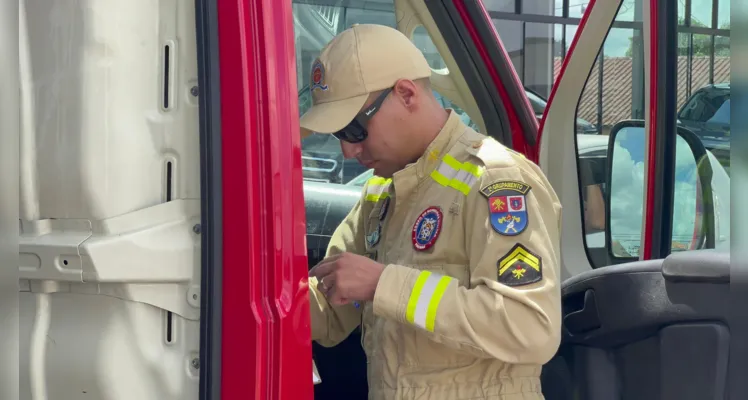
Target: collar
[[436, 150], [414, 172]]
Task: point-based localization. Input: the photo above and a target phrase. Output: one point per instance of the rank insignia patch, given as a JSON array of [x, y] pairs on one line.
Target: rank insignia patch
[[507, 206], [427, 228], [520, 267], [373, 238], [318, 77]]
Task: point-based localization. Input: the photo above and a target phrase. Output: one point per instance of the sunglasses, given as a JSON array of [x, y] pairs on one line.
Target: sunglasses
[[355, 131]]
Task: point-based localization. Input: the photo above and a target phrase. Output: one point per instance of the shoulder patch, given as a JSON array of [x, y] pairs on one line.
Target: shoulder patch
[[507, 206], [519, 267]]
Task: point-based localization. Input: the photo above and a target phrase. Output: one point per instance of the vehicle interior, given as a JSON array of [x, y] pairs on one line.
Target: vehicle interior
[[628, 324]]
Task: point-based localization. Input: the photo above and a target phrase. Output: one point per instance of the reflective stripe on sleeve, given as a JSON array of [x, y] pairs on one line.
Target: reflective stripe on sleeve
[[457, 175], [425, 298], [377, 189]]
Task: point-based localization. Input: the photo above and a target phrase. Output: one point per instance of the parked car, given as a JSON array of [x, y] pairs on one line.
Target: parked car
[[539, 103], [707, 114]]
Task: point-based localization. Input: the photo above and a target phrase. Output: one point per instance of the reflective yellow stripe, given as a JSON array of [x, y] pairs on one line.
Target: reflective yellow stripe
[[377, 180], [451, 161], [424, 299], [457, 175], [410, 312], [441, 287], [376, 188], [376, 197]]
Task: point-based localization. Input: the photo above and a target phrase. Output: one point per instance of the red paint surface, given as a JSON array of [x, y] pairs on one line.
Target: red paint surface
[[518, 139], [646, 253], [266, 344]]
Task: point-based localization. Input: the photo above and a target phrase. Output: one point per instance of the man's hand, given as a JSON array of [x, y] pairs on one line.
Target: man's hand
[[347, 277]]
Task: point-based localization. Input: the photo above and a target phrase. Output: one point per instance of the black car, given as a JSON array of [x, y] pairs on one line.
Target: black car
[[538, 104], [707, 114]]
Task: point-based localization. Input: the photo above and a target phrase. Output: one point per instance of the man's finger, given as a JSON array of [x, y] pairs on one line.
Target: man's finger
[[325, 284], [336, 299], [323, 269], [325, 261]]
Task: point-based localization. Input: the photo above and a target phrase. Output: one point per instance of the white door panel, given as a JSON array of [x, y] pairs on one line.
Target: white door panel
[[110, 200], [558, 148], [77, 346]]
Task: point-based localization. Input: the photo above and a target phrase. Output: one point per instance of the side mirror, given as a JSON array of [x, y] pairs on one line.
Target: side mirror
[[693, 208]]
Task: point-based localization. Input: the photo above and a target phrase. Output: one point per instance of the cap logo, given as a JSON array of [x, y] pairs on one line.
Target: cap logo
[[318, 76]]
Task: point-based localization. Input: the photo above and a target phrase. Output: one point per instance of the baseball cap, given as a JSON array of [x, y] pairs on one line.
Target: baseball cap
[[361, 60]]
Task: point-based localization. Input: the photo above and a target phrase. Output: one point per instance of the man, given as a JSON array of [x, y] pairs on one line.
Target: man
[[450, 260]]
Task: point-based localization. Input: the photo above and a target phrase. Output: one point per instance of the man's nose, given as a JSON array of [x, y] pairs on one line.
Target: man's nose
[[350, 150]]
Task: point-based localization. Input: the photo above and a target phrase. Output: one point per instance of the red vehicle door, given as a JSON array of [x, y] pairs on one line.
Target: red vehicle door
[[256, 337], [646, 249]]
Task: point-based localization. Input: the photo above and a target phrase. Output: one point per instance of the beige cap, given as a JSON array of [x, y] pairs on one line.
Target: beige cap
[[359, 61]]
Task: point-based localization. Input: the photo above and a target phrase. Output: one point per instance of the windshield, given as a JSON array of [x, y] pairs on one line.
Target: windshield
[[705, 104], [722, 116]]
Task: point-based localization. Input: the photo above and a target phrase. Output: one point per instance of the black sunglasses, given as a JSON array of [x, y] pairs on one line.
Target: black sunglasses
[[355, 131]]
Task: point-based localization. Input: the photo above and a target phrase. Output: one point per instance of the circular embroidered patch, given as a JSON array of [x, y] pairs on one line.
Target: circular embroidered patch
[[384, 209], [318, 76], [427, 228]]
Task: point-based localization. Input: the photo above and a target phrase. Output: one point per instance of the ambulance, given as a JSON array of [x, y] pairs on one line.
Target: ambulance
[[170, 210]]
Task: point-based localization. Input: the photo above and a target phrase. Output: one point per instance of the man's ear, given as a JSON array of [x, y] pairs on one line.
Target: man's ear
[[407, 93]]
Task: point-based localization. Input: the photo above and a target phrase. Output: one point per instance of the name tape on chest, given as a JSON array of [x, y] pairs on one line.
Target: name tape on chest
[[519, 267], [384, 209], [427, 227], [507, 206]]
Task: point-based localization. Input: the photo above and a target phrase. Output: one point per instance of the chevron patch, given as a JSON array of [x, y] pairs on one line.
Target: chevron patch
[[520, 267]]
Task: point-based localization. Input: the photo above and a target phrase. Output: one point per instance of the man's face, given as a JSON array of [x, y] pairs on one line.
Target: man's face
[[387, 148]]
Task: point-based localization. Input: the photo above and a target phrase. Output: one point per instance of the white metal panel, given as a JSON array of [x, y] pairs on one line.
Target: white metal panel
[[97, 347], [96, 131], [109, 206]]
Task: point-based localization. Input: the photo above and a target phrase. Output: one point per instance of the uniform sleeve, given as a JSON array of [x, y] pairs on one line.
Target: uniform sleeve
[[511, 307], [332, 324]]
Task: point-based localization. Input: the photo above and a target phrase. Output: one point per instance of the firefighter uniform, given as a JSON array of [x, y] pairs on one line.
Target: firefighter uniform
[[469, 304]]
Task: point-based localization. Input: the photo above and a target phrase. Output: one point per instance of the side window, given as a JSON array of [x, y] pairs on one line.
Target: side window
[[615, 92], [315, 25], [537, 37]]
